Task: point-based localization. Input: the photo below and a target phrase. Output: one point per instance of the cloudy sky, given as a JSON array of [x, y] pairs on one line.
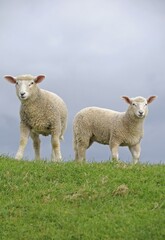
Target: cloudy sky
[[92, 52]]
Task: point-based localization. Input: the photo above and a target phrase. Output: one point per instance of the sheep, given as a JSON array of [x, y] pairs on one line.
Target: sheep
[[105, 126], [41, 112]]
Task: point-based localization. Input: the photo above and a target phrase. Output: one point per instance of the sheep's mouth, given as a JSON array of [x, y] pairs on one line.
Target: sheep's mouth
[[140, 115], [23, 97]]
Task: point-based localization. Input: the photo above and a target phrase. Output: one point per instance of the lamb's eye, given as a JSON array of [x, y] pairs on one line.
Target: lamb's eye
[[31, 83], [133, 104], [16, 83]]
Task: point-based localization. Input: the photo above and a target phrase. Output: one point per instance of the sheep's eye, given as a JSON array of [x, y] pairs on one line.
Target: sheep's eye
[[31, 83], [133, 104], [16, 83]]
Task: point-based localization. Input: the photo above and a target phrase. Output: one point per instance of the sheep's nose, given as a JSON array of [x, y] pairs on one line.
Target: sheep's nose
[[141, 112], [22, 94]]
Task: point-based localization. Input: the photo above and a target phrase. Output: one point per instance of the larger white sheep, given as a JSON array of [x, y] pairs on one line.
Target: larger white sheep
[[112, 128], [41, 112]]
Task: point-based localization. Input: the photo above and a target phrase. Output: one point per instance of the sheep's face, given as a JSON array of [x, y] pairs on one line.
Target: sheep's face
[[138, 106], [25, 89], [25, 85]]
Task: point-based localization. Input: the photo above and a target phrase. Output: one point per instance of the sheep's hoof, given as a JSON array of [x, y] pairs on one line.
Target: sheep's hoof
[[115, 160], [18, 158], [57, 160], [80, 160], [135, 162]]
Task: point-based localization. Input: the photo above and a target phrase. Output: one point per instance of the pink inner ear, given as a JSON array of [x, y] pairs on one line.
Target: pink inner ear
[[39, 78], [10, 79], [127, 99], [151, 99]]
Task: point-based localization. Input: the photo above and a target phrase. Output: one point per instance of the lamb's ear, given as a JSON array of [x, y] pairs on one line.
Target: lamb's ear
[[10, 79], [127, 99], [151, 99], [39, 78]]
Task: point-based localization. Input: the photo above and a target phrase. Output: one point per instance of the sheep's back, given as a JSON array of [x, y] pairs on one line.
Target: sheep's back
[[96, 122]]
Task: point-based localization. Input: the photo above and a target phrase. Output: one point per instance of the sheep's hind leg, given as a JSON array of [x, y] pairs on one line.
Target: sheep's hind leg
[[82, 146], [56, 152], [36, 144], [135, 151], [75, 150], [81, 153], [24, 135]]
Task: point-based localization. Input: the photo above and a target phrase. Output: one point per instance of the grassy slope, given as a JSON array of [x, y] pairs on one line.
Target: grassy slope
[[72, 201]]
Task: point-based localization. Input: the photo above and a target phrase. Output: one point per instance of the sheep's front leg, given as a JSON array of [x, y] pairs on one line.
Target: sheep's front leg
[[56, 152], [135, 151], [114, 151], [36, 144], [24, 135]]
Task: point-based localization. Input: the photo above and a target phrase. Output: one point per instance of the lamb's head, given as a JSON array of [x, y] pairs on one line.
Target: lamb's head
[[138, 106], [26, 85]]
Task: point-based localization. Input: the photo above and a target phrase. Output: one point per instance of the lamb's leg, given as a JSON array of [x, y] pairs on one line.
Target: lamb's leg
[[56, 152], [114, 151], [81, 144], [36, 144], [76, 155], [24, 135], [135, 151], [81, 152], [75, 150], [77, 146]]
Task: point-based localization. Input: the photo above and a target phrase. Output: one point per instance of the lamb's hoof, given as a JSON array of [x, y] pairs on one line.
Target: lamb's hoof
[[57, 160], [18, 158], [80, 161], [114, 160]]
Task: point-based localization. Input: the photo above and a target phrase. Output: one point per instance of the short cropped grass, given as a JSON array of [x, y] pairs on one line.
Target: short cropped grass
[[42, 201]]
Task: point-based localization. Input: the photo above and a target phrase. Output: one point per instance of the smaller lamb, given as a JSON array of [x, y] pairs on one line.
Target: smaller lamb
[[42, 112], [111, 128]]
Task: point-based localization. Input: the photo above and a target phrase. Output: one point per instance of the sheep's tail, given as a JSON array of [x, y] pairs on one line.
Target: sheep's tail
[[62, 137]]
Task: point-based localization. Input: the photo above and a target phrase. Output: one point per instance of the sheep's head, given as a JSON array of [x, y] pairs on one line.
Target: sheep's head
[[138, 105], [25, 85]]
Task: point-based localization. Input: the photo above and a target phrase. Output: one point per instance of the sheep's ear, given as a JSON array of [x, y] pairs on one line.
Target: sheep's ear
[[39, 78], [151, 99], [127, 99], [10, 79]]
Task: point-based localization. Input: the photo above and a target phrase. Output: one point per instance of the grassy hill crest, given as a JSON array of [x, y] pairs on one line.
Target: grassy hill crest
[[41, 200]]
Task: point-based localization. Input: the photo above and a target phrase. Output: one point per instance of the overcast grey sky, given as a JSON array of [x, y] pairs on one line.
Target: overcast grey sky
[[92, 52]]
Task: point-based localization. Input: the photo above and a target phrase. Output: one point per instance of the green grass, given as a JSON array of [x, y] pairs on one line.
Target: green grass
[[41, 200]]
